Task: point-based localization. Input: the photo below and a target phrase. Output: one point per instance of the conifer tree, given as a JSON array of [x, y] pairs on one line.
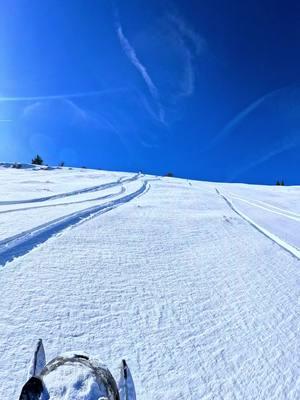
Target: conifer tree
[[37, 160]]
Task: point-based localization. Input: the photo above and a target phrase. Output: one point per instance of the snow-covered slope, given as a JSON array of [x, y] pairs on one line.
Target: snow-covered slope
[[196, 284]]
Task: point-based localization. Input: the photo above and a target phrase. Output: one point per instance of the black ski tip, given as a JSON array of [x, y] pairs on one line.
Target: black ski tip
[[32, 389], [124, 365], [39, 344]]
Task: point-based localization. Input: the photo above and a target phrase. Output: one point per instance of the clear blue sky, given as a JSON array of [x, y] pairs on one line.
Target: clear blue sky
[[208, 90]]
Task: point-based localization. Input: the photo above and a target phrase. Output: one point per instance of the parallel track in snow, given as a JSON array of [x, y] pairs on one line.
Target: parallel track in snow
[[107, 196], [74, 192], [286, 246], [22, 243], [269, 208]]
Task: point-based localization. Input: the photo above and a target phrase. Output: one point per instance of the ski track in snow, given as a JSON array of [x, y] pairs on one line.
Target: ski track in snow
[[20, 244], [270, 208], [284, 211], [286, 246], [120, 181], [122, 190], [177, 282]]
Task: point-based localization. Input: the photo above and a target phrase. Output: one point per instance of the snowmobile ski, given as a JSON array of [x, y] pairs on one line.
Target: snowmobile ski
[[126, 385], [38, 360]]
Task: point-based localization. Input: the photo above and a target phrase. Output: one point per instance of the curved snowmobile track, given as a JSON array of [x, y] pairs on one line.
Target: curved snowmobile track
[[107, 196], [22, 243], [286, 246], [268, 207], [75, 192]]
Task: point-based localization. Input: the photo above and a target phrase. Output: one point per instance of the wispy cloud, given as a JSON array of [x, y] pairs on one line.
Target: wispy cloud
[[187, 32], [31, 108], [132, 56], [74, 114], [177, 45], [288, 144], [187, 84], [144, 102], [72, 111], [228, 128], [192, 45], [6, 120], [78, 112], [60, 96]]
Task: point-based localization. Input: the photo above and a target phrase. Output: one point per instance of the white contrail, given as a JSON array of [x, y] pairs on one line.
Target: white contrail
[[132, 56], [58, 96], [197, 41], [188, 86], [276, 151], [240, 116], [192, 45], [188, 81]]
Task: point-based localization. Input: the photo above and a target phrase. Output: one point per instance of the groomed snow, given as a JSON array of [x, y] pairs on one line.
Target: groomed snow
[[195, 284]]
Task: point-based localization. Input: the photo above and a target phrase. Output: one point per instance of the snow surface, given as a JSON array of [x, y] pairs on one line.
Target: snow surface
[[195, 284]]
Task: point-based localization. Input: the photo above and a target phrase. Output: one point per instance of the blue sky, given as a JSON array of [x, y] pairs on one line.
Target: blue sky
[[208, 90]]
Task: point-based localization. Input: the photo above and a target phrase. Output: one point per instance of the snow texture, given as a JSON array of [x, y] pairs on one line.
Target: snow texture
[[195, 284]]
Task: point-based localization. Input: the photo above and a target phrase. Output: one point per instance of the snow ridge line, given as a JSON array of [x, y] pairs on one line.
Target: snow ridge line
[[107, 196], [22, 243], [287, 247], [103, 186]]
